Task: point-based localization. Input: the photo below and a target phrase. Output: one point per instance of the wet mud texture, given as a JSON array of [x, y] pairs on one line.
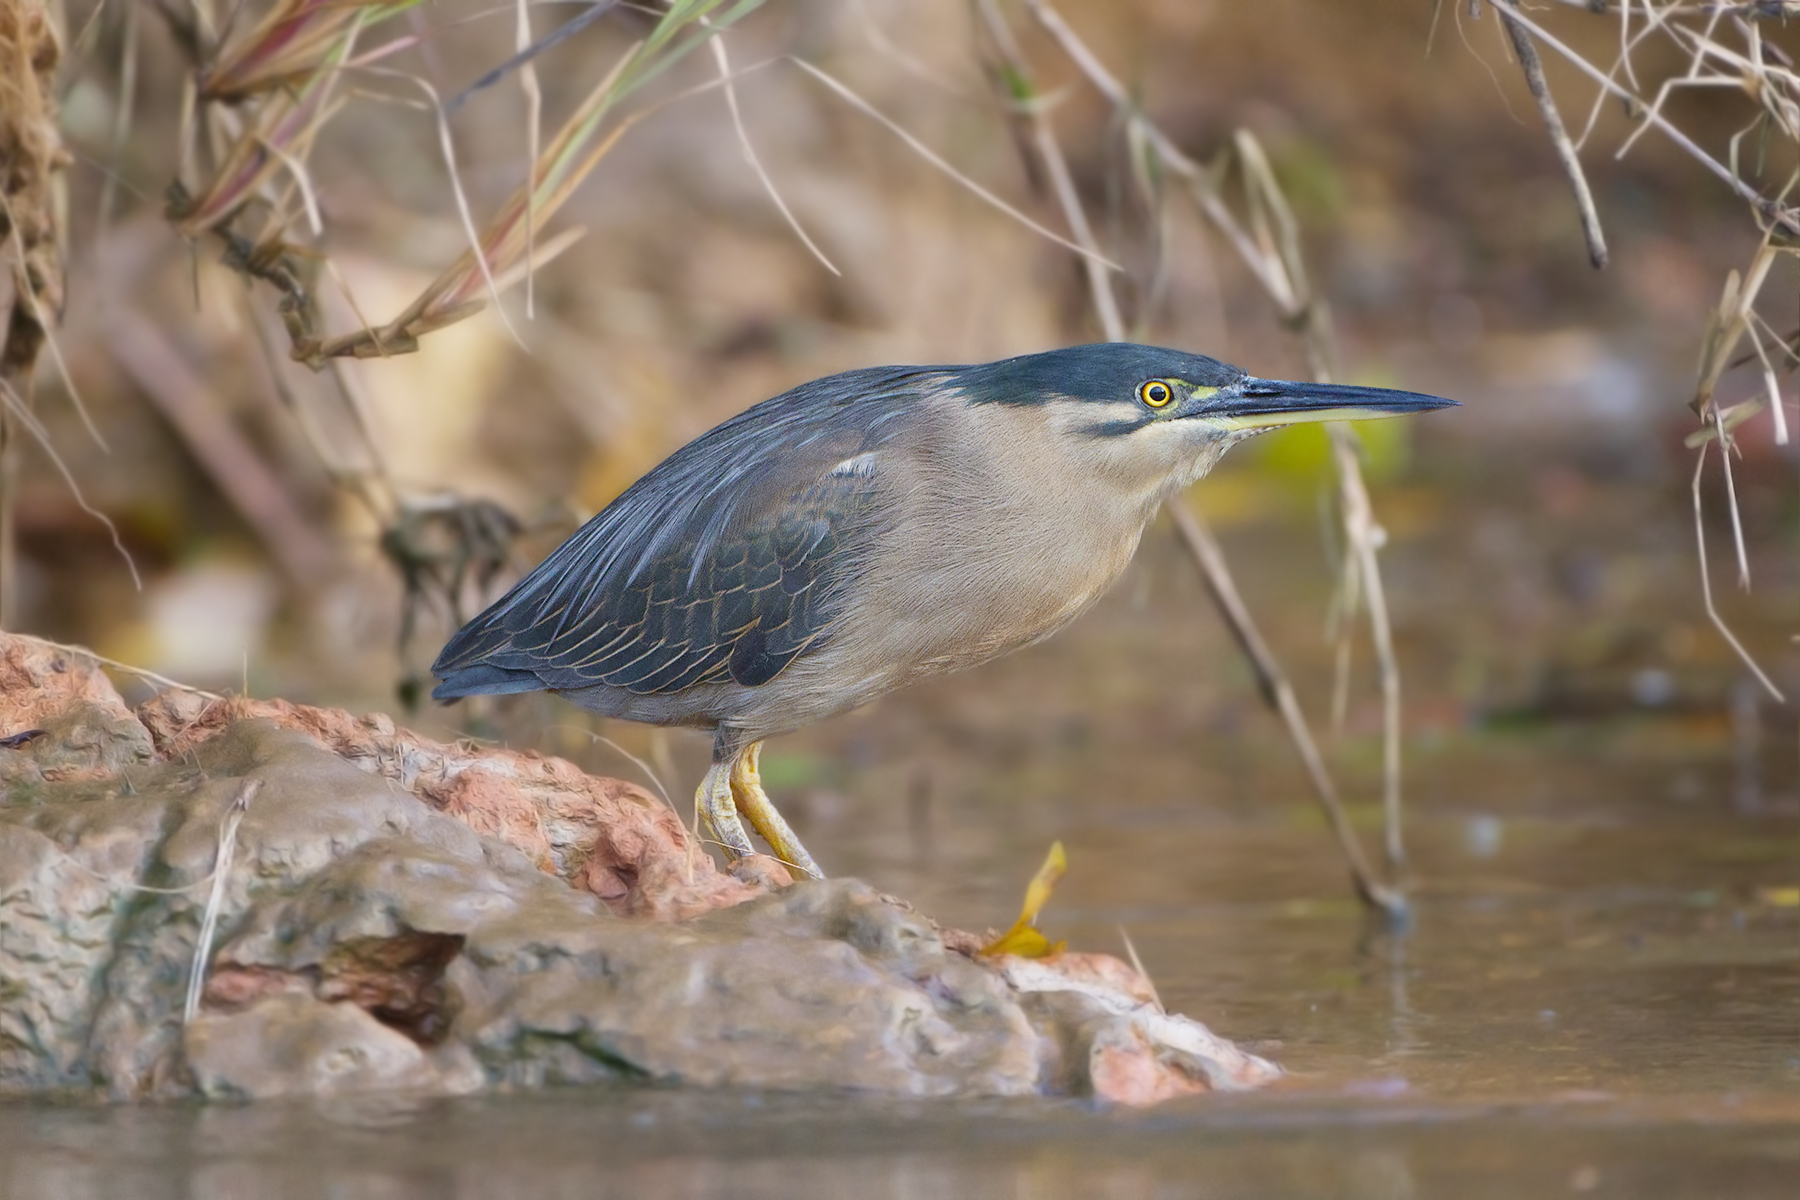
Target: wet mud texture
[[403, 916]]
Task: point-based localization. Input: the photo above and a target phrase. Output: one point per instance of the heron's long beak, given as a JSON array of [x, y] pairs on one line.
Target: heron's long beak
[[1267, 403]]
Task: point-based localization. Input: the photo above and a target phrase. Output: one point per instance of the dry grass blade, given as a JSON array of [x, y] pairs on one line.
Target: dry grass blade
[[280, 135], [1712, 612], [123, 117], [1137, 964], [1732, 320], [528, 52], [506, 252], [743, 136], [149, 676], [931, 156], [18, 411], [1277, 234], [215, 900], [290, 45], [534, 112], [503, 253], [1726, 446]]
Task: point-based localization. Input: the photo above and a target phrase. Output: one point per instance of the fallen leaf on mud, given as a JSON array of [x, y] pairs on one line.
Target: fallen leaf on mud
[[1023, 938]]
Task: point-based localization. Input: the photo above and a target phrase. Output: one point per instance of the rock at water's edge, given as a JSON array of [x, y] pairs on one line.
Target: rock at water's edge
[[405, 915]]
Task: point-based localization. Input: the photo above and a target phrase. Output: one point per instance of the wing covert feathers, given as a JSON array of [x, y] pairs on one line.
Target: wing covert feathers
[[726, 562]]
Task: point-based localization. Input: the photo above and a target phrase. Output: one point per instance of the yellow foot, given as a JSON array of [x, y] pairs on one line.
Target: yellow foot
[[720, 812], [754, 804]]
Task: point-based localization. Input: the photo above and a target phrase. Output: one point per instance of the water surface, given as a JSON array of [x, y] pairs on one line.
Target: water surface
[[1598, 993]]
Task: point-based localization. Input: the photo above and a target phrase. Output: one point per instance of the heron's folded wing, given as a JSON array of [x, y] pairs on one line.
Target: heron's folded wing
[[726, 562]]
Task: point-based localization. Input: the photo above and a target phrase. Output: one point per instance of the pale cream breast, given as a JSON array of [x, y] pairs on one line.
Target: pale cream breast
[[989, 550]]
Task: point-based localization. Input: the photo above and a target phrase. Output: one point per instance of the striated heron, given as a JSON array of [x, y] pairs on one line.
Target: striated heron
[[864, 531]]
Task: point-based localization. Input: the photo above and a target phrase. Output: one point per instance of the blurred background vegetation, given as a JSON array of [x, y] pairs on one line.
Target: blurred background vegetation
[[303, 533]]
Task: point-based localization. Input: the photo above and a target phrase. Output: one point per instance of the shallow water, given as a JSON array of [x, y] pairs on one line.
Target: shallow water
[[1598, 992]]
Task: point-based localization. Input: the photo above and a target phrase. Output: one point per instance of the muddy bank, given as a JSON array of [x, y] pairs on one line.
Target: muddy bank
[[397, 914]]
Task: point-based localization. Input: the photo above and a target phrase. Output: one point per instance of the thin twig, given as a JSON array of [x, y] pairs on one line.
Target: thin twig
[[15, 405], [717, 43], [1654, 117], [1043, 139], [1279, 694], [534, 109], [115, 664], [1533, 67], [1712, 612]]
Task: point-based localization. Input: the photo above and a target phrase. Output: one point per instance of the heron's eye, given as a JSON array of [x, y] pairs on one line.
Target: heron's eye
[[1156, 394]]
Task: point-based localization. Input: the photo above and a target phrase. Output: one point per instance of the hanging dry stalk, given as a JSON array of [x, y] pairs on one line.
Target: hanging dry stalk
[[1010, 73], [506, 252], [1267, 240], [31, 160], [1721, 48], [31, 260], [282, 70]]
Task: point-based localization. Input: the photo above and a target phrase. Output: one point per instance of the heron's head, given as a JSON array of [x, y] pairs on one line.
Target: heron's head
[[1157, 418]]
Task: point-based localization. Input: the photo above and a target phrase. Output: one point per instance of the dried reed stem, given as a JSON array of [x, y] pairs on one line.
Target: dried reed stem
[[1279, 694], [215, 900], [1533, 67], [1270, 248], [1712, 612], [1365, 537]]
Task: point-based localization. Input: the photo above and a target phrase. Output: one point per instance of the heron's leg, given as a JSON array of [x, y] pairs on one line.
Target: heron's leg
[[754, 803], [720, 811]]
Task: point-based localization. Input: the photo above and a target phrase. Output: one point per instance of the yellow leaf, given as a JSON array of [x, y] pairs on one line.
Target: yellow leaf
[[1023, 938]]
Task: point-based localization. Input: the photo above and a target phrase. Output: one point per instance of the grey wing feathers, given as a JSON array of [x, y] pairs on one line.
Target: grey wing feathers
[[727, 561]]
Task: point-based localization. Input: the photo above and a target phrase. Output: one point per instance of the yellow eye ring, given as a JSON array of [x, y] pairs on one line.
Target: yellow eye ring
[[1156, 394]]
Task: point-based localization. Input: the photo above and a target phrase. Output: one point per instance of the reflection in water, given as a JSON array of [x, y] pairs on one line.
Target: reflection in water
[[741, 1146]]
